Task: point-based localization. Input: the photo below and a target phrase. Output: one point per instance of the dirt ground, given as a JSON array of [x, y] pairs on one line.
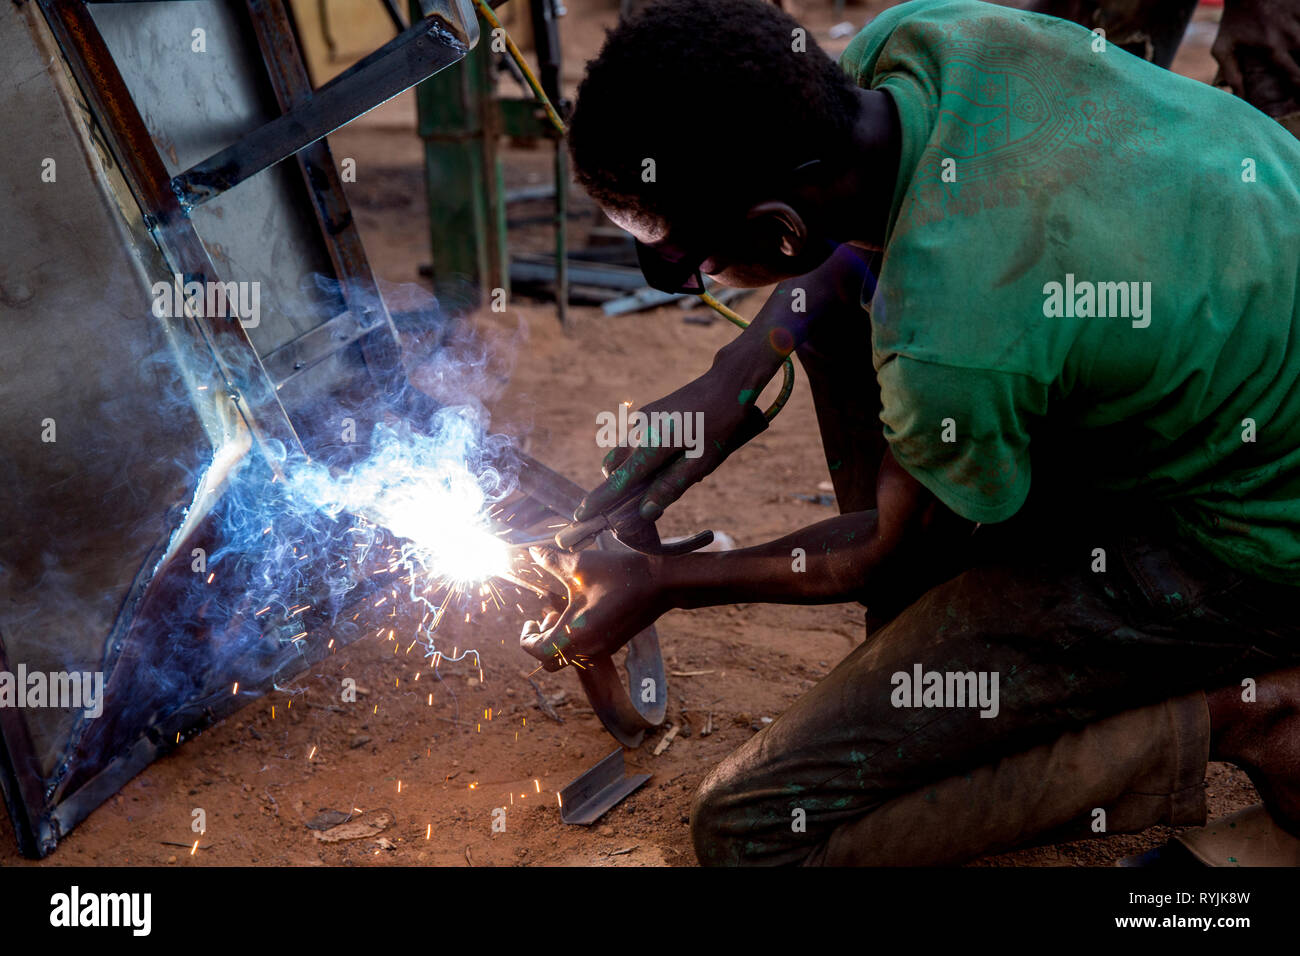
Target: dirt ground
[[425, 777]]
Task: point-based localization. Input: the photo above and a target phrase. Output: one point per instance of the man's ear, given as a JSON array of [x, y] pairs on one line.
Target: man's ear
[[784, 223]]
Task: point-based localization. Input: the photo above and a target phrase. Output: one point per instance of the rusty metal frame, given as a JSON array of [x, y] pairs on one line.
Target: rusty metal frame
[[43, 810], [20, 770], [128, 139], [277, 39], [621, 712]]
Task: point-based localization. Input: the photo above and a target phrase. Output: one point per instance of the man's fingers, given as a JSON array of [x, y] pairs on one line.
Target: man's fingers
[[537, 628], [547, 641], [615, 458], [673, 482], [639, 464]]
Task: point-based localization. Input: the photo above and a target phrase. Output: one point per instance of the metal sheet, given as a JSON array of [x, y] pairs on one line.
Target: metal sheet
[[95, 487], [79, 515]]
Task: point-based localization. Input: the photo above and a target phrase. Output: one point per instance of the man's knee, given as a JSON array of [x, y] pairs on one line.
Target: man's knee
[[734, 820], [711, 831], [741, 818]]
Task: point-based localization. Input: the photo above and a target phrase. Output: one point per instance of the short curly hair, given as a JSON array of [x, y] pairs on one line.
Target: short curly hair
[[687, 83]]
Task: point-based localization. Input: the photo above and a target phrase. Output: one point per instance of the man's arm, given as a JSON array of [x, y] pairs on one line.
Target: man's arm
[[841, 556], [740, 371], [826, 291], [614, 595]]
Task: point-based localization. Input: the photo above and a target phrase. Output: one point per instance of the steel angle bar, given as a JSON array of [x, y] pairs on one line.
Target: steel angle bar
[[592, 793], [289, 79], [416, 54], [316, 345]]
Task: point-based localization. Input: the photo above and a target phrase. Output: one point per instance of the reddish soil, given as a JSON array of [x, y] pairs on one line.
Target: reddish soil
[[440, 769]]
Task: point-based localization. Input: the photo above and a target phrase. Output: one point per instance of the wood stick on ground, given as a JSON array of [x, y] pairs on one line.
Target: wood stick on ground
[[545, 704], [667, 739]]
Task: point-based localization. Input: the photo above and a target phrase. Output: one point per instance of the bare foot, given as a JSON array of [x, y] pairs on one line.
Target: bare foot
[[1262, 737]]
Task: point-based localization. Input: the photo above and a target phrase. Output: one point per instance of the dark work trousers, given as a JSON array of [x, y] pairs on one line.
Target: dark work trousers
[[1101, 719]]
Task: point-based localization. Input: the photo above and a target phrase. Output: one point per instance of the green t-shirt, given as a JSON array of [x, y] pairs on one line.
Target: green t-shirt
[[1165, 360]]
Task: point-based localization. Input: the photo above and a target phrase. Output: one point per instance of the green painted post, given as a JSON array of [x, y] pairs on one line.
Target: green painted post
[[463, 177]]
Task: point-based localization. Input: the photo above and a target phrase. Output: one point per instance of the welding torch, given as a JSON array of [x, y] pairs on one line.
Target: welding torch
[[622, 519]]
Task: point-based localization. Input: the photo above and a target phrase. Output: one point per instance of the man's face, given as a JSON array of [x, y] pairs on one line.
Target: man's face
[[747, 256]]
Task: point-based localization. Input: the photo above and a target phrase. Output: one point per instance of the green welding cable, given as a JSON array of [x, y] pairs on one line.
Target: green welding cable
[[787, 369]]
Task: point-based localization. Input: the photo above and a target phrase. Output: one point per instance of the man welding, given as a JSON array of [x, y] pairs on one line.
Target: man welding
[[1047, 299]]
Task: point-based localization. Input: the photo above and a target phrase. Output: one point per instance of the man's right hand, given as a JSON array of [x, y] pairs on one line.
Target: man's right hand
[[723, 407]]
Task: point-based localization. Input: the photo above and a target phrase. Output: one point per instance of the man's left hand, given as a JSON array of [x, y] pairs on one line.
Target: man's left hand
[[613, 596]]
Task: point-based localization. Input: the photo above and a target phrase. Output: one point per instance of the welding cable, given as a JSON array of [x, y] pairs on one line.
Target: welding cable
[[490, 16], [787, 382]]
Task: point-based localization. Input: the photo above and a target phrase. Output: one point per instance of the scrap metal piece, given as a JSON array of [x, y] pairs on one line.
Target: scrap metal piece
[[539, 267], [596, 791], [620, 711]]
